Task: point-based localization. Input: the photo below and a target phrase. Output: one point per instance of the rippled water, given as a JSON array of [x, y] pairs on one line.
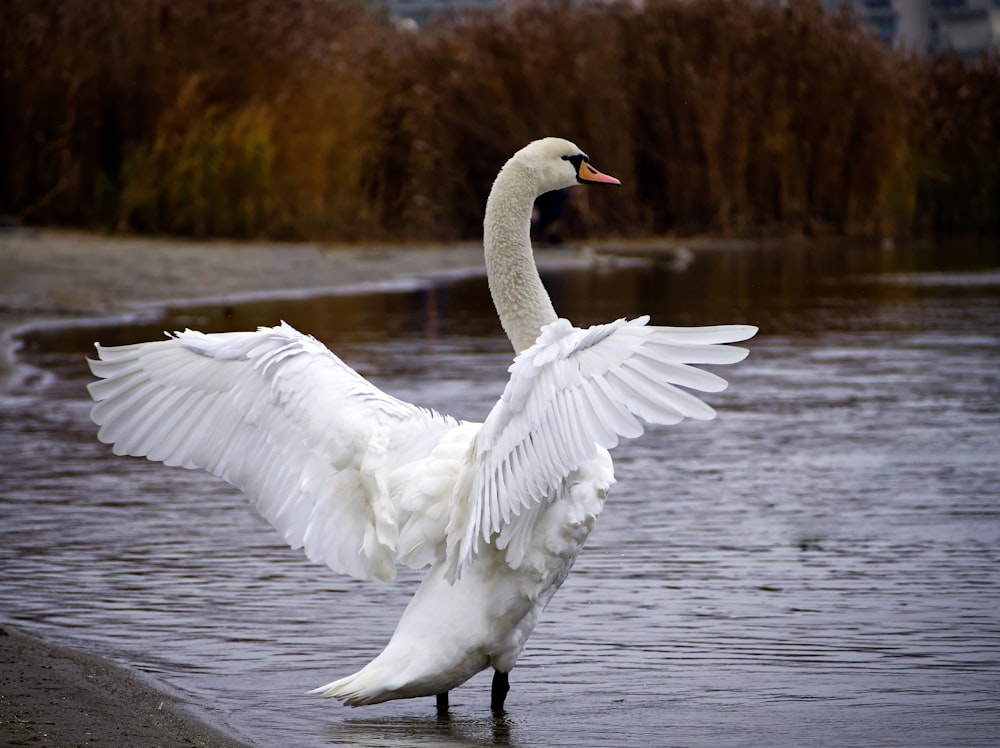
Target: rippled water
[[817, 566]]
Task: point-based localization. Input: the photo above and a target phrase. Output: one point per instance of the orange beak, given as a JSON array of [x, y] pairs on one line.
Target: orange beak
[[589, 175]]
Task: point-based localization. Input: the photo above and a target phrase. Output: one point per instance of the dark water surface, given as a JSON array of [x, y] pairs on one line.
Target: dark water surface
[[818, 566]]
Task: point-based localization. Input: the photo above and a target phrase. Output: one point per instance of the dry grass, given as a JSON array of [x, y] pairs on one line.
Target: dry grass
[[316, 118]]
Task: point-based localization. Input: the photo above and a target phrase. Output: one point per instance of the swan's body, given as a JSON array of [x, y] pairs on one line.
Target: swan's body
[[363, 481]]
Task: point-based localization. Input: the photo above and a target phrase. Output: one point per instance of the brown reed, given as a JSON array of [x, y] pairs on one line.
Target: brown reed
[[319, 118]]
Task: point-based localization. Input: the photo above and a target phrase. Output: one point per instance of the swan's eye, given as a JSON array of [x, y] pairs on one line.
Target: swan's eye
[[578, 160]]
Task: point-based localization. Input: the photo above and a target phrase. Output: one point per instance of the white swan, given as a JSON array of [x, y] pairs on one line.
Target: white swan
[[363, 481]]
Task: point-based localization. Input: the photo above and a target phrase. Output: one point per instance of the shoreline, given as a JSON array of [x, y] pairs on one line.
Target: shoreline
[[51, 695], [63, 277], [57, 277]]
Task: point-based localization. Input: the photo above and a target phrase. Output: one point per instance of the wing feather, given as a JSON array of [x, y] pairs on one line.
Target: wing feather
[[570, 395], [279, 416]]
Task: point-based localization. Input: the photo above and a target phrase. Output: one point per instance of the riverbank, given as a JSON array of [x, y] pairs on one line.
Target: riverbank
[[47, 276], [54, 696]]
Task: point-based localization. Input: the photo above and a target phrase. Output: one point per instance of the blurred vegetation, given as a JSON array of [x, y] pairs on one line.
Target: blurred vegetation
[[319, 118]]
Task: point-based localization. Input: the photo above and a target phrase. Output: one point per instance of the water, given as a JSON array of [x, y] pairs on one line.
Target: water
[[817, 566]]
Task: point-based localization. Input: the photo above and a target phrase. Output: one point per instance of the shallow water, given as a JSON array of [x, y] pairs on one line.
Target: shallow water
[[818, 565]]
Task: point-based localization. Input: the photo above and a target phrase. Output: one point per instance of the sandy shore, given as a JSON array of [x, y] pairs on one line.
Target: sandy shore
[[53, 696], [49, 275], [57, 275]]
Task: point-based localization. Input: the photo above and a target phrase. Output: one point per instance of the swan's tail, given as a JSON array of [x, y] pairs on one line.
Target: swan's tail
[[352, 691], [386, 678], [374, 683]]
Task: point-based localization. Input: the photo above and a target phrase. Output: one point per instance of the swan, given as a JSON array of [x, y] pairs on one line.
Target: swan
[[363, 481]]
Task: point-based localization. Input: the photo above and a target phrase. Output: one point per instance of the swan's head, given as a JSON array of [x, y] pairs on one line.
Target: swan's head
[[558, 163]]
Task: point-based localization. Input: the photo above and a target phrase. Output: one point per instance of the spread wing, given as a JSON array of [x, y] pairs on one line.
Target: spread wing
[[326, 455], [573, 392]]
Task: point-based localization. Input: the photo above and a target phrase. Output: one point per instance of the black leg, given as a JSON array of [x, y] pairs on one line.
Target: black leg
[[501, 685], [442, 703]]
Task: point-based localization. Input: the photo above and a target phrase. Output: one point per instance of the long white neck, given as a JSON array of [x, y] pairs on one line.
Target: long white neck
[[521, 300]]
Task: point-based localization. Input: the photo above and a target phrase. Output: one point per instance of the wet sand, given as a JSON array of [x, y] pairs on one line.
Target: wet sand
[[52, 275], [53, 696]]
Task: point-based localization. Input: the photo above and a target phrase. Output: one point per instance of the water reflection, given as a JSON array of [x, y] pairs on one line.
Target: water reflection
[[439, 731], [817, 565]]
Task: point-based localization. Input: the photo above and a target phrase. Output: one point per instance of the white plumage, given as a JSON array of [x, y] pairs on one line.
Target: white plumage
[[363, 481]]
